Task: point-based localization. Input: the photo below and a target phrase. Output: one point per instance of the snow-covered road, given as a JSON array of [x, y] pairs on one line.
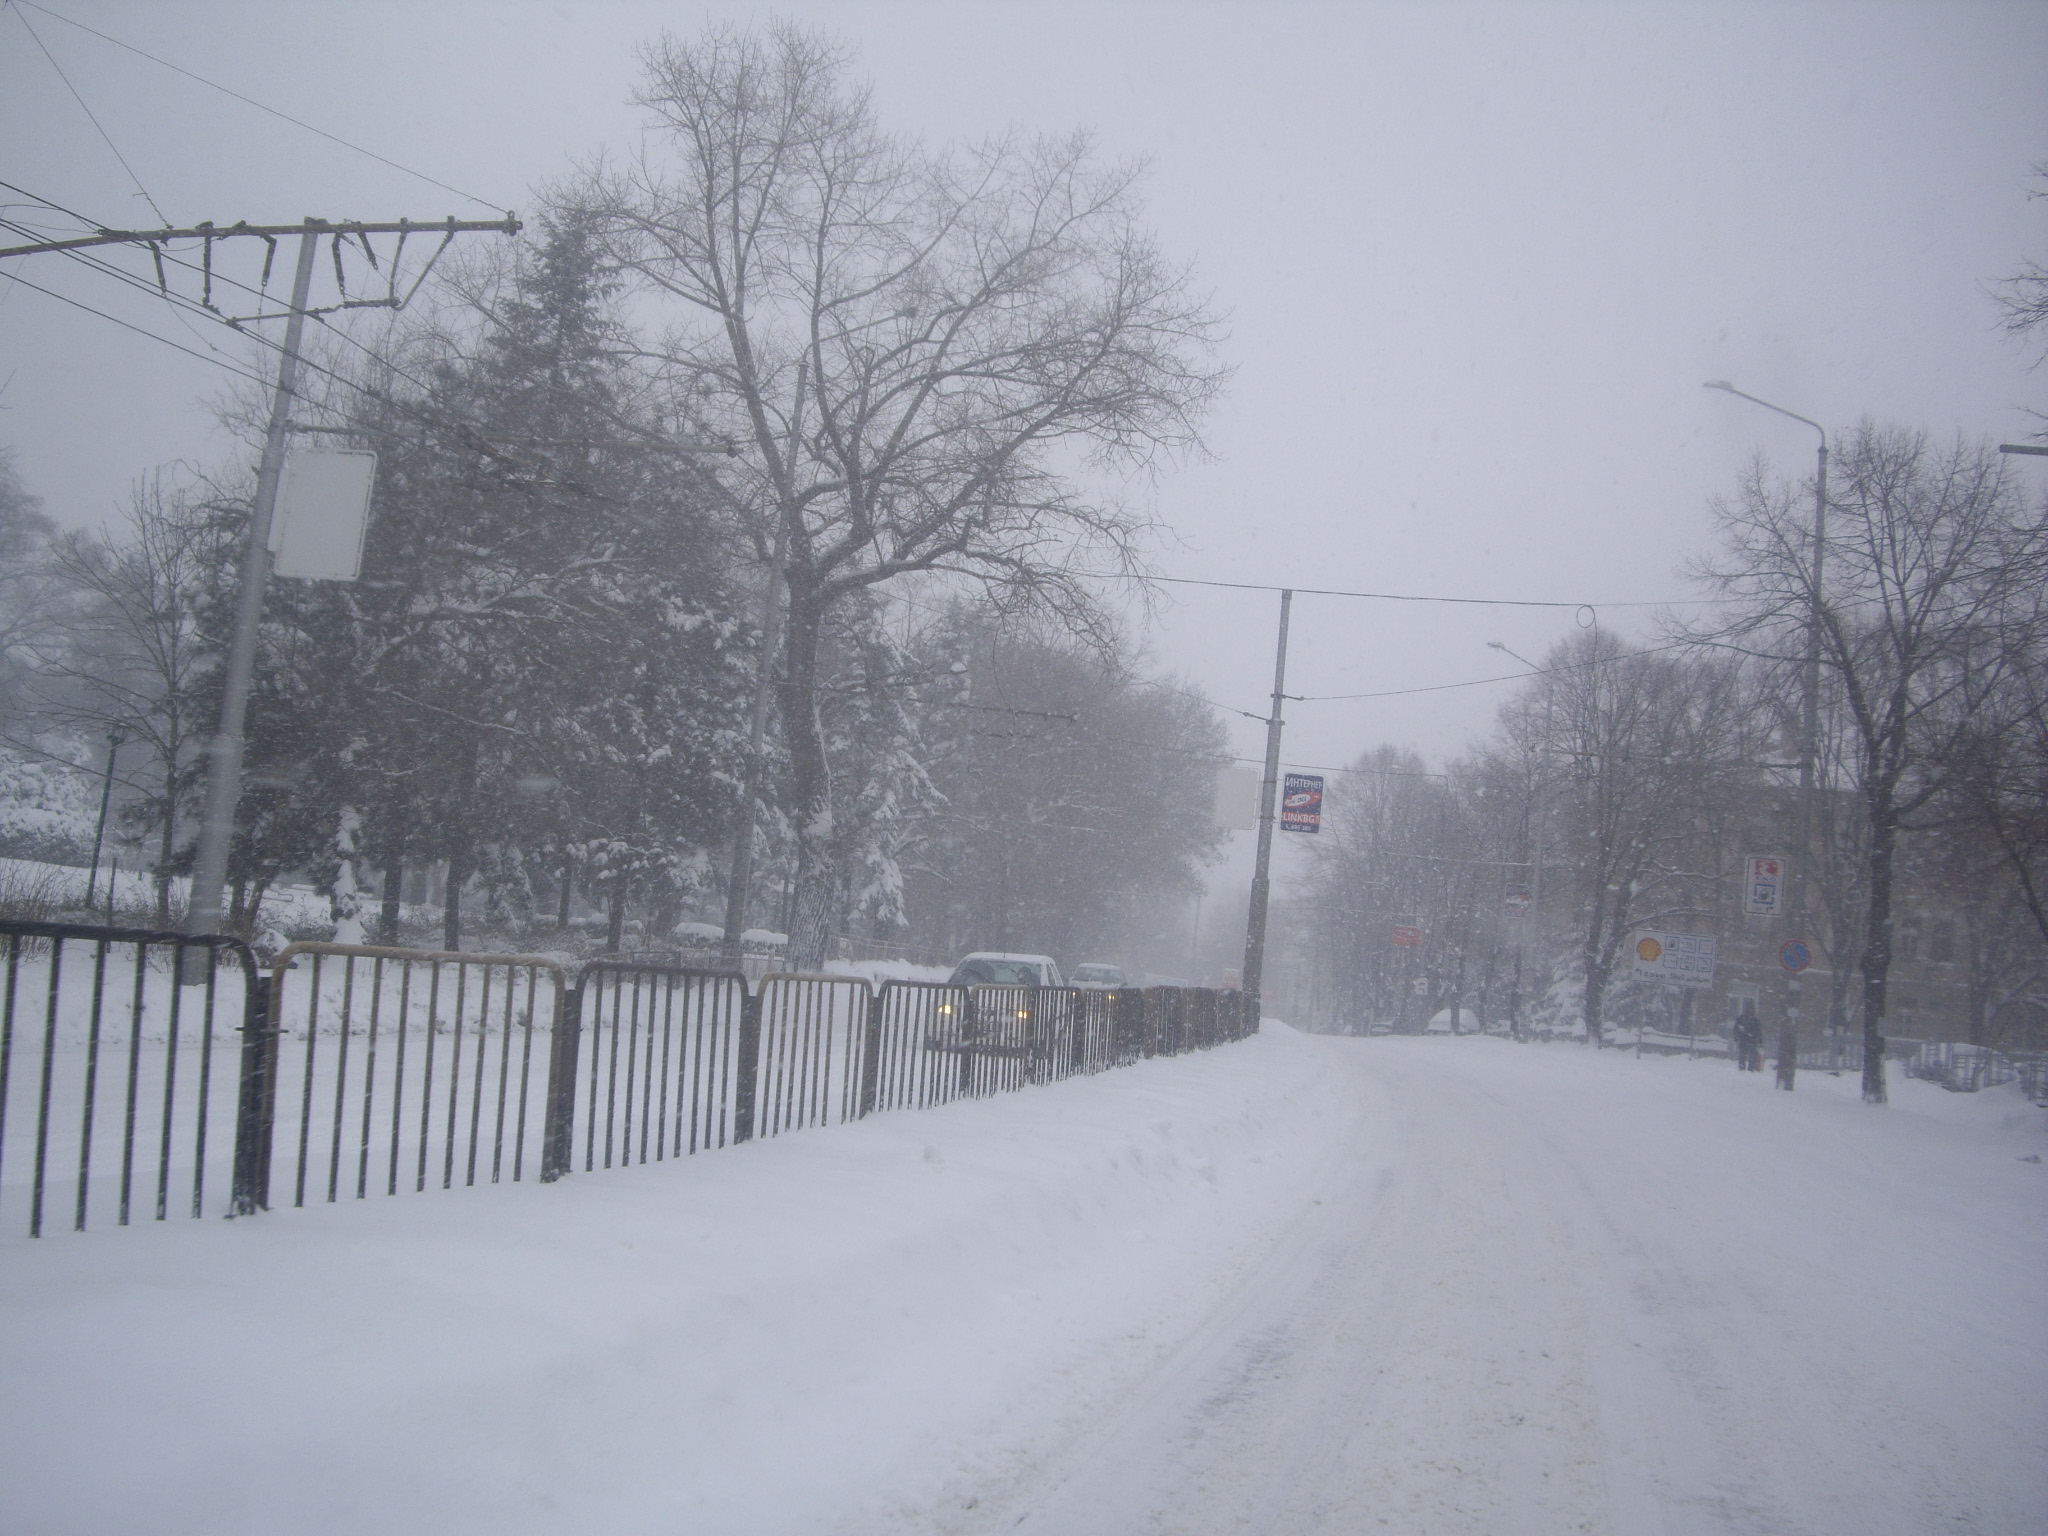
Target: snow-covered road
[[1551, 1293], [1293, 1286]]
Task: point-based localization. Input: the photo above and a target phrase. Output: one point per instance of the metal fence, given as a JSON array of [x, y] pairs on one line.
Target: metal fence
[[153, 1073], [393, 1068], [120, 1072], [1969, 1068]]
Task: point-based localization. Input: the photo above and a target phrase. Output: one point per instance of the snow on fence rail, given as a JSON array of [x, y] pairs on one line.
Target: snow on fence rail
[[157, 1073]]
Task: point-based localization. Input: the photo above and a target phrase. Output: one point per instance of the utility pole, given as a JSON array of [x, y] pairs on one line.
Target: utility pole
[[1539, 820], [1809, 753], [1255, 924], [224, 753], [1809, 743]]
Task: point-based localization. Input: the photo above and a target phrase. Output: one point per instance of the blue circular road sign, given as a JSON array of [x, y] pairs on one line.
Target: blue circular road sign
[[1795, 956]]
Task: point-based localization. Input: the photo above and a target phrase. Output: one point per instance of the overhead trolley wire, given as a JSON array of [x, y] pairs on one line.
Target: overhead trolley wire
[[88, 111], [334, 138], [218, 362]]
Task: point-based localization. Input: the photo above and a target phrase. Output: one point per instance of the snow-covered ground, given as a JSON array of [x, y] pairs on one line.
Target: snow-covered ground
[[1294, 1285]]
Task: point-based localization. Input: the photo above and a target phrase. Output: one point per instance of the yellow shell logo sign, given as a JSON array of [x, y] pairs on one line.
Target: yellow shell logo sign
[[1649, 950]]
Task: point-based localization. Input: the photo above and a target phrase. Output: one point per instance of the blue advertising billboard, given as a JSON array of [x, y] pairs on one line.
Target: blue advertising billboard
[[1301, 803]]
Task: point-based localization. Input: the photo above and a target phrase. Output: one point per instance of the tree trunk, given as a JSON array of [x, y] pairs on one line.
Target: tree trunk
[[394, 895], [568, 894], [1595, 999], [810, 784], [451, 901], [1876, 961], [615, 927], [167, 847]]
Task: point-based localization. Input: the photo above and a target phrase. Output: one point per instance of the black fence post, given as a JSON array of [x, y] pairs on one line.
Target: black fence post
[[558, 1138], [871, 1054], [256, 1102], [749, 1066]]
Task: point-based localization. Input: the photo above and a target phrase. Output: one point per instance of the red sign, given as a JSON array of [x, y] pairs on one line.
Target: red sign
[[1406, 935]]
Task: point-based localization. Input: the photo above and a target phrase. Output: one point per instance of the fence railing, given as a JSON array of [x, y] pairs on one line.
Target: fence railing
[[155, 1073], [120, 1087], [1970, 1068], [393, 1068]]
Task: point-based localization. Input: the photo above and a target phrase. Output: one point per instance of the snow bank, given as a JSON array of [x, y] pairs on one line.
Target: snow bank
[[879, 971], [751, 1340]]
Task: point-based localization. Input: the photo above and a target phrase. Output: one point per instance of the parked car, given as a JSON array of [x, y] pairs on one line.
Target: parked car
[[986, 968], [1097, 975]]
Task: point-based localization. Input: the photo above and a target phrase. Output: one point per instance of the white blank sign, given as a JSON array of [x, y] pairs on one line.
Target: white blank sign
[[323, 509], [1237, 798]]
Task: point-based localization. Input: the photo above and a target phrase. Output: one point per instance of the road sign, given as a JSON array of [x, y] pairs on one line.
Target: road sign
[[1763, 885], [316, 533], [1517, 902], [1301, 803], [1682, 959], [1237, 798], [1407, 935], [1795, 956]]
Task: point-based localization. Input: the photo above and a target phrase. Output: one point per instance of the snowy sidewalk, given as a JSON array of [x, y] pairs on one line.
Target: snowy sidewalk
[[1288, 1286], [757, 1339]]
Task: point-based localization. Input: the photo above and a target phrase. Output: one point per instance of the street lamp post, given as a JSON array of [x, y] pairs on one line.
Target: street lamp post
[[1809, 729], [99, 836]]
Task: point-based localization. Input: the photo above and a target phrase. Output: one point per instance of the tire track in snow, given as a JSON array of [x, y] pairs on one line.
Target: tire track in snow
[[1546, 1293]]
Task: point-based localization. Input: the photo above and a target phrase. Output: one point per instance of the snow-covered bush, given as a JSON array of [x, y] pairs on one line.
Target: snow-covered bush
[[47, 809]]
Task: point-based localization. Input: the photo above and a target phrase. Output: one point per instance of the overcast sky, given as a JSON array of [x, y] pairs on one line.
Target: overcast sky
[[1478, 258]]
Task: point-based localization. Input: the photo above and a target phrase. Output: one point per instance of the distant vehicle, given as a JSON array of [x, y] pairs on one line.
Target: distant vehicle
[[985, 968], [1096, 975]]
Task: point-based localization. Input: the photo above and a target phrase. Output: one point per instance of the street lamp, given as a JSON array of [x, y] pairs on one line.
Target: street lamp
[[99, 836], [1809, 721]]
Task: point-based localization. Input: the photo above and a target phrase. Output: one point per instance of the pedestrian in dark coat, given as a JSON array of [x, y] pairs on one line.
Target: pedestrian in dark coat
[[1749, 1040]]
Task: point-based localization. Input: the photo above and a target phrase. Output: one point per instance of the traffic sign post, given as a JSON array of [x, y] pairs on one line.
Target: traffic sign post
[[1795, 956], [1763, 885]]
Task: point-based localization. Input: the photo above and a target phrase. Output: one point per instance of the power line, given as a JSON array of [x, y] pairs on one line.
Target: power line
[[261, 107], [431, 418], [90, 116], [218, 362], [102, 265], [1478, 682], [1393, 597]]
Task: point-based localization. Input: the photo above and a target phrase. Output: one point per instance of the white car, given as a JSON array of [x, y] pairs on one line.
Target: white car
[[987, 968], [1099, 977]]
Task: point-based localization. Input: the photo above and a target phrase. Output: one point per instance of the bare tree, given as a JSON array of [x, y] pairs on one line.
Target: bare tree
[[29, 595], [2024, 296], [134, 653], [1933, 572], [1642, 741], [1035, 838], [914, 350]]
